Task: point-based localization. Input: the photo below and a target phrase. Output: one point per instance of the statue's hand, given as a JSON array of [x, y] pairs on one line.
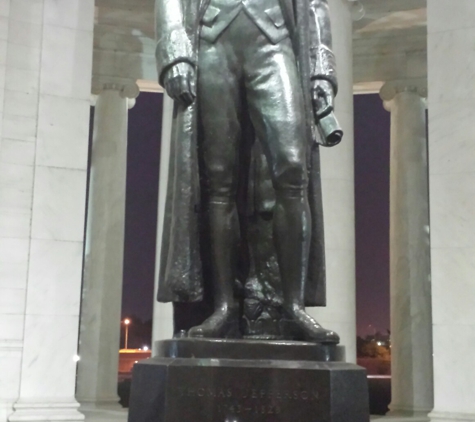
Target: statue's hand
[[323, 97], [179, 83]]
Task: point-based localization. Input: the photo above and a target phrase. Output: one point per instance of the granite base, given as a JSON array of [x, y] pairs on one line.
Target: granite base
[[318, 386]]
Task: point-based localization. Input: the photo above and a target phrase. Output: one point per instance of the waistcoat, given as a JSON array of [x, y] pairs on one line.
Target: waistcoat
[[266, 14]]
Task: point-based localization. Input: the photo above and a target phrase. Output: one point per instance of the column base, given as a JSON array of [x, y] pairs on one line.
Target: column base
[[103, 404], [6, 409], [46, 410], [450, 416], [400, 411], [420, 414], [399, 418], [98, 414]]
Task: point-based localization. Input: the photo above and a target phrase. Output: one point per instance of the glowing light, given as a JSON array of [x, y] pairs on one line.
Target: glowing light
[[145, 348], [127, 321], [76, 358]]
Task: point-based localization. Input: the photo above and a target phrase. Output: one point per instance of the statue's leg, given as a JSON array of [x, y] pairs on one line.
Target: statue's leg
[[278, 115], [218, 96]]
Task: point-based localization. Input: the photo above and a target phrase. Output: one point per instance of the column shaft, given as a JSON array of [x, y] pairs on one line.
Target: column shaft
[[451, 71], [43, 174], [162, 312], [338, 195], [104, 250], [411, 319]]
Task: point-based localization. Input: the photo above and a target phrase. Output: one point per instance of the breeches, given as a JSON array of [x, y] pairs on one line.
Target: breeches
[[243, 72]]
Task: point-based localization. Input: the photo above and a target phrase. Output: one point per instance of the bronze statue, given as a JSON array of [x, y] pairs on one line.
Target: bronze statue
[[253, 83]]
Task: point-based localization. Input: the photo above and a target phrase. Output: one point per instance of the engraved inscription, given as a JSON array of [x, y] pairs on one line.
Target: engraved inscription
[[236, 393], [248, 401]]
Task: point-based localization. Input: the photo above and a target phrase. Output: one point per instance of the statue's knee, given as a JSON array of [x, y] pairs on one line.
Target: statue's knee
[[221, 184], [221, 192], [291, 177], [221, 189]]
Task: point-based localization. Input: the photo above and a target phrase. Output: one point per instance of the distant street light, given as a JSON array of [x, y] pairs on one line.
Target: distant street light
[[126, 323]]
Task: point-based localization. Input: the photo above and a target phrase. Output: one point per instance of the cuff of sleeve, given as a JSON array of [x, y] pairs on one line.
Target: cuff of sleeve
[[163, 71], [330, 78], [324, 65]]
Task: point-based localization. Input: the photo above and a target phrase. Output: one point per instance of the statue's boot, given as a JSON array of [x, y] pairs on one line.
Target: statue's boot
[[224, 323], [224, 232], [292, 234], [301, 326]]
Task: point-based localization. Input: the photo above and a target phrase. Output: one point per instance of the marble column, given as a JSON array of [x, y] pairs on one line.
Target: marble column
[[104, 250], [338, 194], [46, 57], [410, 284], [451, 70], [162, 312]]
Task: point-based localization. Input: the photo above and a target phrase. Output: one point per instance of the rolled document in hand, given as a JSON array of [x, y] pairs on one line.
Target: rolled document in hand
[[330, 130]]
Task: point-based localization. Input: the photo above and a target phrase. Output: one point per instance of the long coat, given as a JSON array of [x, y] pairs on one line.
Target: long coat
[[178, 25]]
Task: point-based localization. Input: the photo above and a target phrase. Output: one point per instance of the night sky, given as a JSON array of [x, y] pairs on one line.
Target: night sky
[[372, 210], [372, 124], [143, 159]]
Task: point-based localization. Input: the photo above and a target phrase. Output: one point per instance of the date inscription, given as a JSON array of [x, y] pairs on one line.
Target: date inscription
[[253, 394], [258, 409]]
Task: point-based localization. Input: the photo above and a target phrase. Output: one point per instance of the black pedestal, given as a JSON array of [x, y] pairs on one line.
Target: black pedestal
[[247, 381]]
